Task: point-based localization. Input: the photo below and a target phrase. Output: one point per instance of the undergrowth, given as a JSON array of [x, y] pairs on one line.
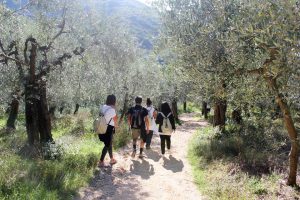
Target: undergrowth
[[60, 170], [246, 162], [190, 108]]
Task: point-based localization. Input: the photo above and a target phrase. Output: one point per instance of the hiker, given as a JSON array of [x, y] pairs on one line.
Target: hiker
[[109, 112], [139, 124], [152, 114], [166, 122]]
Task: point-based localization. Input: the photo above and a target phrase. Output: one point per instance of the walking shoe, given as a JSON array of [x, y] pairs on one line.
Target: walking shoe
[[169, 151], [113, 161], [133, 154], [148, 147], [141, 156], [102, 164]]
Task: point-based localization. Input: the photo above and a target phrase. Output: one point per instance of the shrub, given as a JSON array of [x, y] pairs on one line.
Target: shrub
[[122, 136]]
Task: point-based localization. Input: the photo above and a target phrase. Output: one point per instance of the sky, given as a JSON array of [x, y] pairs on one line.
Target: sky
[[148, 2]]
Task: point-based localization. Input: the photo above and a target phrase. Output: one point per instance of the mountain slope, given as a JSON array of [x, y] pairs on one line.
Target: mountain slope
[[142, 19]]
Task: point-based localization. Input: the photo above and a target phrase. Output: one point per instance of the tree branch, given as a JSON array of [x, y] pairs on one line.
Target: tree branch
[[13, 59], [30, 2], [61, 31]]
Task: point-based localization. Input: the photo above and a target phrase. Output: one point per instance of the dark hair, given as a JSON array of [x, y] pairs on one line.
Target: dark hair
[[138, 100], [111, 100], [149, 102], [165, 108]]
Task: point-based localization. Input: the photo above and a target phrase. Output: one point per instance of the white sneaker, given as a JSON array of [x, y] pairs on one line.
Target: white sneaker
[[169, 151]]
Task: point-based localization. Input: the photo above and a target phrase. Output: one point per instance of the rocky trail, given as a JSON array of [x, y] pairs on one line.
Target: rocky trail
[[153, 177]]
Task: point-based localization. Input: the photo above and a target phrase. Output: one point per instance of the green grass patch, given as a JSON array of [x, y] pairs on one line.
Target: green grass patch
[[2, 122], [122, 136], [71, 160], [220, 173], [190, 108]]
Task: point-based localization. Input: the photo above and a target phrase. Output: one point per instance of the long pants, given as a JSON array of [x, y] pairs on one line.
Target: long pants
[[149, 138], [163, 140], [107, 148]]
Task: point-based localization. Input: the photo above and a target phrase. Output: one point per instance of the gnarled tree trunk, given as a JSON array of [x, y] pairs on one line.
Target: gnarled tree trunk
[[76, 108], [38, 121], [236, 116], [61, 109], [290, 126], [13, 113], [175, 109], [204, 110], [220, 107], [125, 106], [44, 118], [52, 111], [184, 106]]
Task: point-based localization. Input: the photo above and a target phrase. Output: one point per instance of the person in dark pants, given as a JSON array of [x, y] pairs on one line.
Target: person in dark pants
[[152, 114], [166, 121], [110, 115], [139, 123]]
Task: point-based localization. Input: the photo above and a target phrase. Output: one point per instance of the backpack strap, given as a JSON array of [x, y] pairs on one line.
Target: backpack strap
[[162, 114], [106, 112], [169, 114], [109, 121]]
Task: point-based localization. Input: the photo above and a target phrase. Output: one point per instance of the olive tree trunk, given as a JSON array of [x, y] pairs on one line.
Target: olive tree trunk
[[184, 106], [76, 108], [125, 106], [13, 113], [175, 109], [292, 132], [38, 121], [220, 107], [204, 110]]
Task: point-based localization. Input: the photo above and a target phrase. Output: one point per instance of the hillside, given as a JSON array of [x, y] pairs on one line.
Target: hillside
[[142, 19]]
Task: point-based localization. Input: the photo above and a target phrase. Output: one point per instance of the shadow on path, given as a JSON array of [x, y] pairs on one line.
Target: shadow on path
[[173, 164], [153, 155], [142, 168], [105, 185]]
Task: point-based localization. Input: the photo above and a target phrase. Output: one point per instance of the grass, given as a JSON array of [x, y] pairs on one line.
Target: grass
[[76, 150], [190, 108], [220, 172], [2, 122]]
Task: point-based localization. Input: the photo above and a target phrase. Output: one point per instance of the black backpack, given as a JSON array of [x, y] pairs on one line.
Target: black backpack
[[136, 118]]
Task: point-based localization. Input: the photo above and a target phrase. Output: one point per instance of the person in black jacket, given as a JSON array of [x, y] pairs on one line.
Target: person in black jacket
[[165, 132], [139, 123]]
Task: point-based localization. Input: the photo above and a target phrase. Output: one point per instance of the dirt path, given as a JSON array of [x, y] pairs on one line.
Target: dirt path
[[153, 177]]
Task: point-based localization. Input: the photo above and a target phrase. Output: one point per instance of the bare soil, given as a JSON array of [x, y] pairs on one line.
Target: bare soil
[[154, 176]]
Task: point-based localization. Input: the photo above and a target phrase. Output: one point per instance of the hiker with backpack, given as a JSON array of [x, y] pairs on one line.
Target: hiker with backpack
[[166, 121], [139, 124], [106, 128], [152, 114]]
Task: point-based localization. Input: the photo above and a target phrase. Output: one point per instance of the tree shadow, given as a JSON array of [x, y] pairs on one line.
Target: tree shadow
[[173, 164], [143, 168]]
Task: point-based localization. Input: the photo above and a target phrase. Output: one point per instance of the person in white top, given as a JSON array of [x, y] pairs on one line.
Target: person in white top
[[110, 115], [152, 127]]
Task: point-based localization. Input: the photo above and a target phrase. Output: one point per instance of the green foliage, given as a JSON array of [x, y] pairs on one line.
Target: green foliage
[[69, 164], [256, 146], [191, 107], [122, 136], [45, 179], [230, 167], [2, 122]]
